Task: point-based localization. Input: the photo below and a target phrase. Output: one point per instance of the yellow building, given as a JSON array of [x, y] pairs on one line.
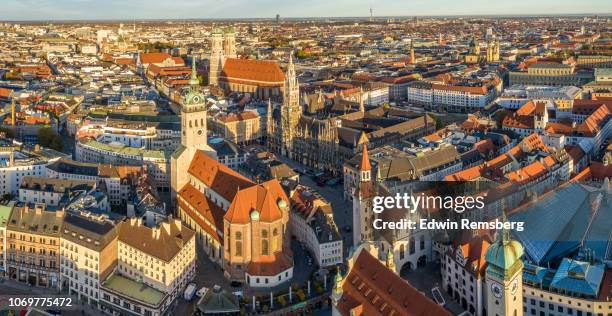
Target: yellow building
[[241, 128], [33, 245], [153, 265]]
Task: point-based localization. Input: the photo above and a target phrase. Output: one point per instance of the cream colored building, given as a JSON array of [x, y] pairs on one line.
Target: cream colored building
[[33, 245], [88, 250], [241, 128], [154, 265]]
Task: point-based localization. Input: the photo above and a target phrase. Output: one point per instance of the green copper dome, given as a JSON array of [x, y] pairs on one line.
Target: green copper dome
[[254, 215], [504, 254]]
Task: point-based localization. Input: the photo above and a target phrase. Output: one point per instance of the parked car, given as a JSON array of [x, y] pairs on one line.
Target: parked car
[[201, 292], [190, 290]]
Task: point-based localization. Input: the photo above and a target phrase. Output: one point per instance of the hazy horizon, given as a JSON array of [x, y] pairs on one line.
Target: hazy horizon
[[116, 10]]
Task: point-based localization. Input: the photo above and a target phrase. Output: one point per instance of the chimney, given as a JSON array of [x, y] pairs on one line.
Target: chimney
[[38, 209]]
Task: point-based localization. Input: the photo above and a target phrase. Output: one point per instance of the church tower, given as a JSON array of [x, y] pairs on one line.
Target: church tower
[[193, 133], [504, 276], [412, 57], [229, 43], [490, 51], [362, 202], [216, 56], [290, 109], [496, 51]]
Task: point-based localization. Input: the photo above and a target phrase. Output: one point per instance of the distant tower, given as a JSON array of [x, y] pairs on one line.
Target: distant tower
[[390, 262], [475, 47], [193, 133], [412, 57], [269, 124], [362, 201], [229, 43], [504, 276], [361, 103], [490, 53], [216, 56], [337, 293], [277, 18], [12, 110], [290, 110], [371, 13], [440, 39], [496, 51]]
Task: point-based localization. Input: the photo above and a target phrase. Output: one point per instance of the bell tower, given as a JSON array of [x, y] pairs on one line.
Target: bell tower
[[504, 276], [193, 134], [291, 111]]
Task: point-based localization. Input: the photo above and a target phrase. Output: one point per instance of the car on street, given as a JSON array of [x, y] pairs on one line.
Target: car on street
[[190, 290]]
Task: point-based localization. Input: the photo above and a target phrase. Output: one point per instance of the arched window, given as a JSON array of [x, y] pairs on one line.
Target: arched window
[[422, 243], [264, 247], [264, 243], [401, 252], [238, 244], [275, 238], [411, 246]]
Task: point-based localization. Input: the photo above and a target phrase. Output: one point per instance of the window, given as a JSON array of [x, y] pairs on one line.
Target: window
[[264, 243], [238, 244], [401, 252]]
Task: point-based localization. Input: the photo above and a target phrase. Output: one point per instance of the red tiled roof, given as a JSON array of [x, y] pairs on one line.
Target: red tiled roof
[[592, 124], [518, 121], [154, 58], [242, 116], [251, 71], [5, 93], [365, 160], [190, 200], [527, 108], [263, 197], [372, 289], [218, 177], [474, 252], [559, 128]]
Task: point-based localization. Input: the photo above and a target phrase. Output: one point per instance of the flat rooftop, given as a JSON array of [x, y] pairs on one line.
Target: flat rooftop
[[135, 290]]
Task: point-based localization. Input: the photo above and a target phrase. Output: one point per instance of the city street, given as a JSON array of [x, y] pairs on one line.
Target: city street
[[343, 210], [425, 279]]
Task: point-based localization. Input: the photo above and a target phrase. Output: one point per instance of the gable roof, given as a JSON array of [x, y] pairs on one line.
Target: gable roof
[[372, 289], [218, 177], [263, 198], [251, 71]]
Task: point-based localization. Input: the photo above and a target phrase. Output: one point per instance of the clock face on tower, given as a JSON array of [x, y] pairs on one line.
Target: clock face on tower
[[196, 99], [497, 290]]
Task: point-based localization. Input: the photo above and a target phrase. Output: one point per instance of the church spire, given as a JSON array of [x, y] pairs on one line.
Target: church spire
[[194, 82], [361, 105], [365, 160]]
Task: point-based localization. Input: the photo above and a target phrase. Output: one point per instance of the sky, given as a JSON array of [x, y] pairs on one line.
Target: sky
[[212, 9]]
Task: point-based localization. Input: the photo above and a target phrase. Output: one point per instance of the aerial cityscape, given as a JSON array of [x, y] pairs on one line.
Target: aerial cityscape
[[338, 158]]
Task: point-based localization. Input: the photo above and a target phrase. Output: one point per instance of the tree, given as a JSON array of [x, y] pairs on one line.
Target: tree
[[48, 137], [8, 132]]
